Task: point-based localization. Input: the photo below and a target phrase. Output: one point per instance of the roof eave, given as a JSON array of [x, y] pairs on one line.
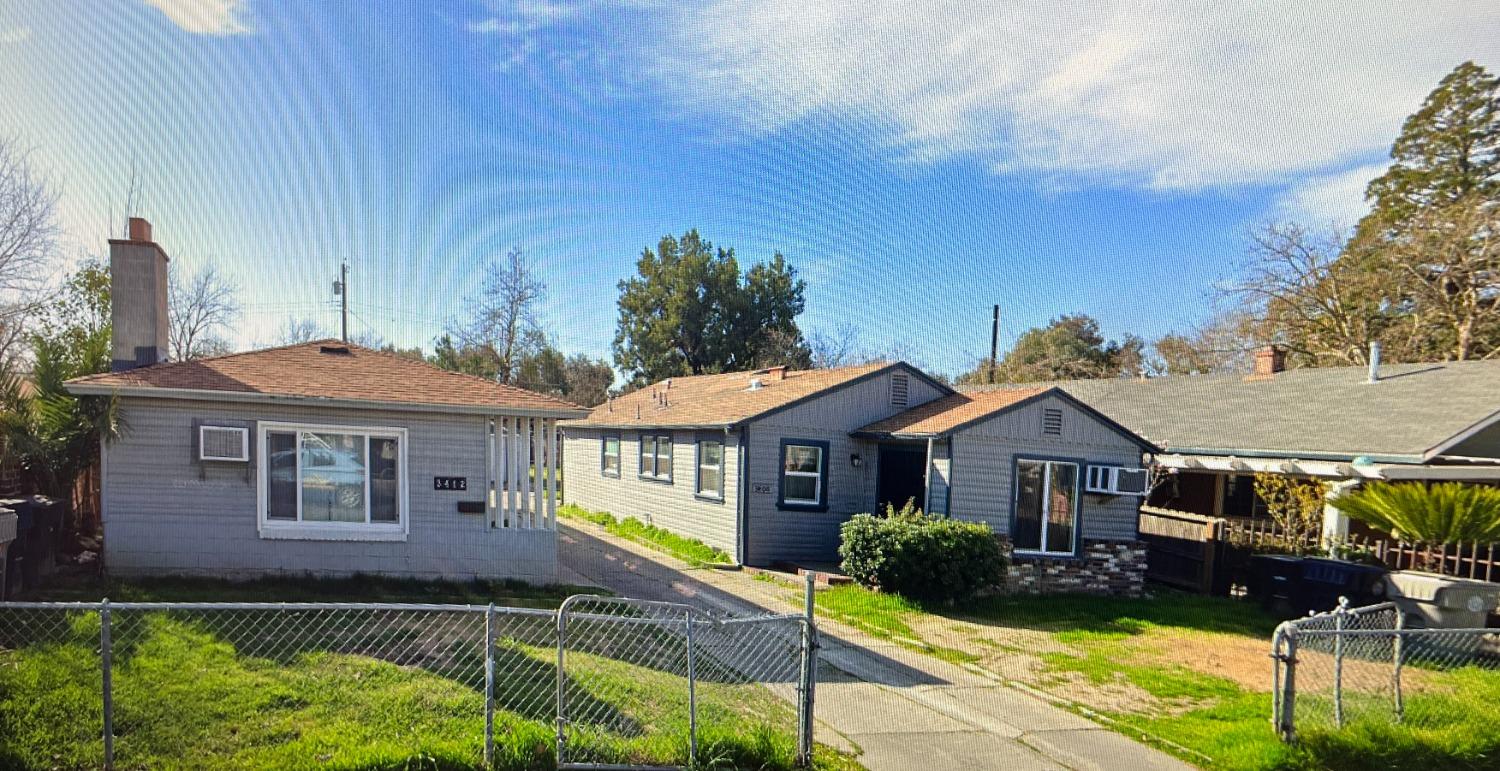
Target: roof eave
[[1243, 452], [197, 394], [650, 426]]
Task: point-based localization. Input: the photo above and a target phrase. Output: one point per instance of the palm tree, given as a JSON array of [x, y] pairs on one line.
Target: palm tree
[[1450, 512]]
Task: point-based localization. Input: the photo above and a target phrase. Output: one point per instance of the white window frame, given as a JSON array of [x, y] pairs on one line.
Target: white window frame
[[244, 455], [817, 476], [656, 456], [276, 529], [717, 493], [1046, 513], [604, 455]]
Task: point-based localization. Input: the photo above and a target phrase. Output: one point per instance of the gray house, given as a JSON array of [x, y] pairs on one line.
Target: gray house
[[768, 465], [323, 457]]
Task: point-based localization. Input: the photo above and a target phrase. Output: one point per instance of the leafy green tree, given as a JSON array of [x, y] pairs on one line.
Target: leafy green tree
[[689, 311], [588, 380], [1069, 348], [455, 357]]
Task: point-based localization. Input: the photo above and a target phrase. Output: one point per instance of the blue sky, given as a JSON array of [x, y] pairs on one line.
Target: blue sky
[[916, 166]]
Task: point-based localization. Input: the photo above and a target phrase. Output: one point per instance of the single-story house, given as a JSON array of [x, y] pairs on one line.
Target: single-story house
[[322, 457], [1343, 425], [768, 465]]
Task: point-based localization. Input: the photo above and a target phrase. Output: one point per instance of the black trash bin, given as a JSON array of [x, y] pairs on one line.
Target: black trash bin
[[1325, 580], [47, 518], [1275, 581]]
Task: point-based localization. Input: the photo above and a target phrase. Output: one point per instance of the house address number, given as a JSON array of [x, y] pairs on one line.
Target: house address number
[[760, 488], [450, 483]]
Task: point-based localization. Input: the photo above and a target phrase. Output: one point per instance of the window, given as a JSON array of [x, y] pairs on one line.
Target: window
[[804, 474], [609, 456], [900, 389], [1052, 421], [656, 457], [223, 443], [333, 482], [1046, 520], [1115, 480], [710, 469]]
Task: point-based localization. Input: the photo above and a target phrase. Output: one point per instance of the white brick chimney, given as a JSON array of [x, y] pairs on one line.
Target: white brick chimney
[[138, 299]]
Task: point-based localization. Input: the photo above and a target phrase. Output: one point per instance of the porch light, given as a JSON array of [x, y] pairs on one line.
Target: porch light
[[856, 461]]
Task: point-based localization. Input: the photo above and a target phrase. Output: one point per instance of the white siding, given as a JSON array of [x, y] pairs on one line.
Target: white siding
[[166, 514], [672, 506]]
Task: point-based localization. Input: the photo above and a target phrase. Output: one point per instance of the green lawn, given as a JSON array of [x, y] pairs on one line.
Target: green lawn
[[689, 550], [1190, 673], [200, 690]]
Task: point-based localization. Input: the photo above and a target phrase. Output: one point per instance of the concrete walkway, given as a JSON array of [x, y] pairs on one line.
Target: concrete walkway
[[896, 708]]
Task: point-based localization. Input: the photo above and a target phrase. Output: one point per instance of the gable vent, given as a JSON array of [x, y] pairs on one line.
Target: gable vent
[[338, 350], [900, 389], [1052, 421]]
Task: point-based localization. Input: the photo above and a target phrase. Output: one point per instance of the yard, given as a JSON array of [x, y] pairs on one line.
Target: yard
[[196, 690], [1190, 674]]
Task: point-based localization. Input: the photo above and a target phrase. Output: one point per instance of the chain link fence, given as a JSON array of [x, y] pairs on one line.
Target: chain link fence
[[272, 684], [1363, 667]]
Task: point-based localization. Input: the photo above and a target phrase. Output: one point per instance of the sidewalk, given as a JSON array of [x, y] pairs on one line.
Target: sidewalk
[[897, 708]]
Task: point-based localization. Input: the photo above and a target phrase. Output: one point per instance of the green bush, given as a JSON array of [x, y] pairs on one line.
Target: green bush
[[919, 556]]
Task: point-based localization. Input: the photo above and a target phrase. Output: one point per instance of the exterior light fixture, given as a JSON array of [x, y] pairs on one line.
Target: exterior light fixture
[[856, 461]]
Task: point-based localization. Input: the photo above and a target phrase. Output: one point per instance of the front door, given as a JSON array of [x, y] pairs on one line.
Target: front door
[[902, 476]]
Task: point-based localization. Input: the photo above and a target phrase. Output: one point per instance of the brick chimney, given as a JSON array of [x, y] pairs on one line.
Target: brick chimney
[[138, 299], [777, 372], [1269, 360]]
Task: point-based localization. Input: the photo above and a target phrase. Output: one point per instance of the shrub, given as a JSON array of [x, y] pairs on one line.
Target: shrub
[[920, 556], [1449, 512]]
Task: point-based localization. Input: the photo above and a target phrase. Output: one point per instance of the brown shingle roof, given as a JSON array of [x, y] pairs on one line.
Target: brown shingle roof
[[941, 415], [716, 400], [325, 369]]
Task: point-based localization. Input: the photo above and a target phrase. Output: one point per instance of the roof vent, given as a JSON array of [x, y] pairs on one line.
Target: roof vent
[[334, 349], [755, 384]]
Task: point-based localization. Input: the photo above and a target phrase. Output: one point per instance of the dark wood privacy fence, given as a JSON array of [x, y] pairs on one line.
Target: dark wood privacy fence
[[1210, 555]]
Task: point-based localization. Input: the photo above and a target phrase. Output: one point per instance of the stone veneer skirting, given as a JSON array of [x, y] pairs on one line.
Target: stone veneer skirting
[[1104, 567]]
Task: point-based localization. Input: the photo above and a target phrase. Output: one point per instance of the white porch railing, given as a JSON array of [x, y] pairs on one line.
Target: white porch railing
[[523, 460]]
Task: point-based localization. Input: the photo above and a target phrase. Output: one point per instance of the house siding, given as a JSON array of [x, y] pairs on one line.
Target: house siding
[[984, 456], [672, 506], [165, 513], [791, 535]]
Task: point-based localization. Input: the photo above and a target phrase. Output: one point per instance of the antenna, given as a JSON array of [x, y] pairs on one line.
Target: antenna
[[994, 343]]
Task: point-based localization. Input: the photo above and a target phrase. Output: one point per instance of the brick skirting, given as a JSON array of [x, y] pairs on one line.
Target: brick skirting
[[1105, 567]]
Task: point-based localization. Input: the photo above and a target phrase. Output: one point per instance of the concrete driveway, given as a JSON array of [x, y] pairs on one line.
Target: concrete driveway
[[896, 708]]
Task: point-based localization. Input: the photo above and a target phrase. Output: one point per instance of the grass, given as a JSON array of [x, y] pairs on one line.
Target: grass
[[689, 550], [358, 588], [884, 616], [186, 697], [1098, 648]]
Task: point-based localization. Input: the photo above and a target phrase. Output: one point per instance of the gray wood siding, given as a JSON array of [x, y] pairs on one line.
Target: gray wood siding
[[672, 506], [797, 535], [165, 513], [984, 454]]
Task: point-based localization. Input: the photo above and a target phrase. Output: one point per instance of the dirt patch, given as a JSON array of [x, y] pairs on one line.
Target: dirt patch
[[1245, 660]]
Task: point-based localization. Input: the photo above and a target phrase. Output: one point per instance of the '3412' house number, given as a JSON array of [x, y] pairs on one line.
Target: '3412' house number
[[450, 483]]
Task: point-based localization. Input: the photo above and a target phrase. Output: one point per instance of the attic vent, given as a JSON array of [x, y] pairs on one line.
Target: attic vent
[[900, 389], [1052, 421], [335, 349]]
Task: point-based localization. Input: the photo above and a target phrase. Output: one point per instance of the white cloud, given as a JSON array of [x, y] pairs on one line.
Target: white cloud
[[1162, 95], [205, 17], [14, 35], [1330, 199]]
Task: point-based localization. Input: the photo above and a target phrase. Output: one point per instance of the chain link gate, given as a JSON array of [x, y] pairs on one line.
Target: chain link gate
[[701, 672]]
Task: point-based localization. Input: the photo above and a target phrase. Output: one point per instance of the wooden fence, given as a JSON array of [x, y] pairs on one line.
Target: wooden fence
[[1210, 555]]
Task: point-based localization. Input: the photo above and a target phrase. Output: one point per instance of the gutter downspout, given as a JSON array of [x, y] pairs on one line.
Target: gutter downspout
[[742, 507]]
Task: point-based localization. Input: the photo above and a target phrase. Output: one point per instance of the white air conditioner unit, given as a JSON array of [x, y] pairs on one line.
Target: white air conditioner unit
[[225, 444], [1115, 480]]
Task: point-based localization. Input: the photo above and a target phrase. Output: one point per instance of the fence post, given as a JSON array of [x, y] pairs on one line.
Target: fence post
[[807, 678], [562, 639], [1397, 645], [1338, 661], [105, 663], [489, 687], [1288, 717], [692, 677]]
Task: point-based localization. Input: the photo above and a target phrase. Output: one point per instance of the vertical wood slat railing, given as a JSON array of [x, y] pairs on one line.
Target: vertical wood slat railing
[[522, 484]]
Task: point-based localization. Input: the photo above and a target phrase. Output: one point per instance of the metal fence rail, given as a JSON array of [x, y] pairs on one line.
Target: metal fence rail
[[1355, 666], [616, 681]]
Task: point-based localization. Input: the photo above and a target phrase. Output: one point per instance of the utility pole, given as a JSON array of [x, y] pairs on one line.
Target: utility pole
[[994, 343], [341, 288]]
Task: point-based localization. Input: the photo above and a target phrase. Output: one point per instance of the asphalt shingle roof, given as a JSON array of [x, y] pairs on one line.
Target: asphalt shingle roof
[[716, 400], [1329, 411], [326, 369], [942, 415]]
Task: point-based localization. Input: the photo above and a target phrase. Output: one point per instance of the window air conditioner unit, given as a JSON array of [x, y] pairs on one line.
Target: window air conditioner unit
[[1115, 480], [226, 444]]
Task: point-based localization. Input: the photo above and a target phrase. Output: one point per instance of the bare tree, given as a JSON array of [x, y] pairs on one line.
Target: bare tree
[[502, 317], [835, 349], [28, 239], [200, 308], [294, 331]]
